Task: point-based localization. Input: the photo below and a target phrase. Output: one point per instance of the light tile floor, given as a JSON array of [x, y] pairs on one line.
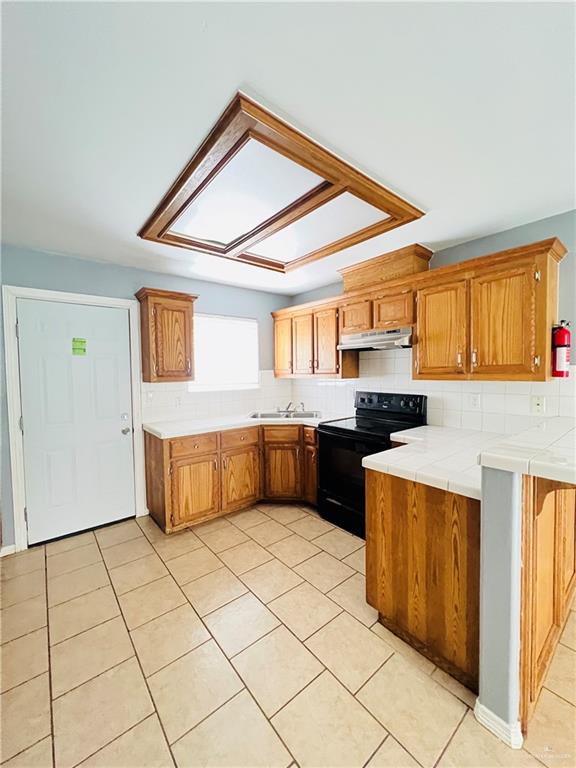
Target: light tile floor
[[244, 642]]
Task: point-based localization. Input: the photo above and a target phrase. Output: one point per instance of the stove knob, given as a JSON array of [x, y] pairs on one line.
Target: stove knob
[[402, 403], [411, 404]]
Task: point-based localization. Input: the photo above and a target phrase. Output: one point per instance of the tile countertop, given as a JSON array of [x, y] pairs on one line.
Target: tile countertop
[[452, 459], [168, 429]]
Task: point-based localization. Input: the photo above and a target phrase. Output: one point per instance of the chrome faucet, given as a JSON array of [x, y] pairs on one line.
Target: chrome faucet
[[288, 410]]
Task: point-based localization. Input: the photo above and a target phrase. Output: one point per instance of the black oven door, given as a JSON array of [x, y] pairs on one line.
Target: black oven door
[[341, 494]]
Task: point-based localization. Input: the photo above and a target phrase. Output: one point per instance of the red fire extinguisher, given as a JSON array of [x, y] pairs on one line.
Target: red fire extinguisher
[[561, 350]]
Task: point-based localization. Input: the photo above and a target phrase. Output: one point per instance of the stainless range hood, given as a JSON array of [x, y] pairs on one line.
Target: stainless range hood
[[397, 338]]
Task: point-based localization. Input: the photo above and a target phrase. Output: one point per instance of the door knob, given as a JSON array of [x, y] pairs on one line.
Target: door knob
[[126, 430]]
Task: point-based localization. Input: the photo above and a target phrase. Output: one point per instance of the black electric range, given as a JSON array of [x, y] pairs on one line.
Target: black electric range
[[343, 443]]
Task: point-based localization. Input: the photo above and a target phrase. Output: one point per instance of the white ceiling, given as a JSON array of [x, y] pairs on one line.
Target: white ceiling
[[466, 110]]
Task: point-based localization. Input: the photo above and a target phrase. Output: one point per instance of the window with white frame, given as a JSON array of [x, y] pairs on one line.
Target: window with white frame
[[225, 352]]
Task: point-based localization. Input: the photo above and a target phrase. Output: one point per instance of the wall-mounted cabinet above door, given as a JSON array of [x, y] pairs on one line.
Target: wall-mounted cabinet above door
[[166, 322]]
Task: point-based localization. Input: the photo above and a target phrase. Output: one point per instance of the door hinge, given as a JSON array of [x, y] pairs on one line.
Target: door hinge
[[537, 275], [17, 330], [21, 424], [26, 516]]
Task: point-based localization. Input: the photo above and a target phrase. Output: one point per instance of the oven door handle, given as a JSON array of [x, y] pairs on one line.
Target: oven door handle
[[369, 441]]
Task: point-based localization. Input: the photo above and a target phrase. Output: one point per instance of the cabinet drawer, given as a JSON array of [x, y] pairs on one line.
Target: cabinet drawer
[[310, 435], [236, 438], [193, 445], [283, 434]]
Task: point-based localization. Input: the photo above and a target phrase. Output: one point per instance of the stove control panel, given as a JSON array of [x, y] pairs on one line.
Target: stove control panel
[[392, 402]]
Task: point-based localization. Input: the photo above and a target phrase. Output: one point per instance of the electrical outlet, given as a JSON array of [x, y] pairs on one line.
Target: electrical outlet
[[538, 405], [475, 402]]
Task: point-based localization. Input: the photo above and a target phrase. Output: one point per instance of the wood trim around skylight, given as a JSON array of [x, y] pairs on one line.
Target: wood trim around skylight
[[245, 120]]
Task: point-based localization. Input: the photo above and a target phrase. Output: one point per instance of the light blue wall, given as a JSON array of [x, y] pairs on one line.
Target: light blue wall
[[562, 226], [5, 477], [35, 269]]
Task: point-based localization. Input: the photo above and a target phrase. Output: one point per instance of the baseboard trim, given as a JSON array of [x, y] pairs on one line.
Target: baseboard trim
[[9, 549], [509, 733]]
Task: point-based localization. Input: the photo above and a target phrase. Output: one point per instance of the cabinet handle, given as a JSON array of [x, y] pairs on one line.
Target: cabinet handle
[[196, 445], [311, 365], [242, 437], [459, 359], [215, 464], [537, 361], [188, 366], [223, 463], [474, 358]]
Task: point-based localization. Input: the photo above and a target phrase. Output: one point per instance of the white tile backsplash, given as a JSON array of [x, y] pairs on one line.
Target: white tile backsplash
[[492, 406], [166, 402]]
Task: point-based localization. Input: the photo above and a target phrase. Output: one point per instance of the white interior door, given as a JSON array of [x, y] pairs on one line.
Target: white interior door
[[77, 416]]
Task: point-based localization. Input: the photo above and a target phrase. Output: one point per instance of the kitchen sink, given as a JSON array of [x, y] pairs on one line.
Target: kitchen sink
[[283, 415]]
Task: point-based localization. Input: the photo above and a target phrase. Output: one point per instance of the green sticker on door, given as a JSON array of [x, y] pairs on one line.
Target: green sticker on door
[[78, 346]]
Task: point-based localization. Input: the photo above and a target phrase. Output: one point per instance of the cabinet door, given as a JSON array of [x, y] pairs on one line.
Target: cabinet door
[[302, 352], [568, 515], [282, 346], [240, 477], [172, 339], [503, 330], [310, 474], [326, 341], [441, 322], [546, 561], [394, 311], [195, 489], [282, 471], [356, 316]]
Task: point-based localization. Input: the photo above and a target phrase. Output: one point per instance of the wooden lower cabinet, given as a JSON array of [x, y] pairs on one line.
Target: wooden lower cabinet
[[194, 478], [194, 489], [282, 473], [432, 600], [548, 579], [310, 474], [240, 477]]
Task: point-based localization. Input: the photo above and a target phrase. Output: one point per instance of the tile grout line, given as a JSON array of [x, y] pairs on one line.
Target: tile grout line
[[388, 735], [142, 673], [454, 732], [559, 695], [52, 730]]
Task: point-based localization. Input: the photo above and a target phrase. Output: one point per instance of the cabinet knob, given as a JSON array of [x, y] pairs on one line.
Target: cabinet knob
[[459, 359], [196, 445], [243, 437], [474, 358]]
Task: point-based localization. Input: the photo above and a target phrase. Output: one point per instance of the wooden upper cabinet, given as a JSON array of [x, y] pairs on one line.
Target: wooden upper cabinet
[[441, 318], [356, 316], [302, 344], [166, 321], [394, 311], [326, 341], [282, 346], [240, 477], [503, 322], [194, 489]]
